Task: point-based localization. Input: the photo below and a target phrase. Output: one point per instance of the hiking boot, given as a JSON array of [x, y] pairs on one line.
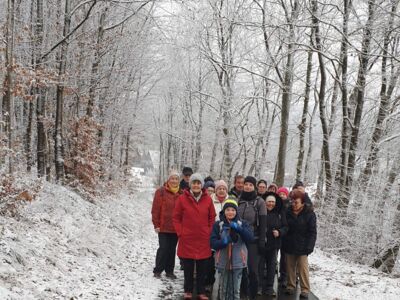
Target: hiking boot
[[171, 275], [157, 274], [187, 296], [289, 291], [202, 297], [304, 295], [270, 293]]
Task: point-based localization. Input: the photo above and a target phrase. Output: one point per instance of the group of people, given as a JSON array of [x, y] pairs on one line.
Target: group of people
[[233, 235]]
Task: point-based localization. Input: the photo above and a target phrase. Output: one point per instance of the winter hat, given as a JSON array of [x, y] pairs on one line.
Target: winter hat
[[262, 181], [230, 203], [251, 179], [283, 190], [187, 171], [270, 198], [173, 173], [208, 184], [198, 177], [297, 184], [220, 183]]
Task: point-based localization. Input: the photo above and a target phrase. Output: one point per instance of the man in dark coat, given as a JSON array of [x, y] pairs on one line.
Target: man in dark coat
[[299, 243], [237, 188], [186, 173]]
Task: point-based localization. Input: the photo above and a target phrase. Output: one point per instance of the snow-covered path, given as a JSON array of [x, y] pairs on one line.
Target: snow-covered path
[[64, 247]]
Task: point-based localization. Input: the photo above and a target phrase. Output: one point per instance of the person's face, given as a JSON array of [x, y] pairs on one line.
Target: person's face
[[196, 186], [301, 189], [297, 205], [230, 213], [221, 191], [272, 189], [239, 183], [173, 181], [186, 177], [210, 190], [248, 187], [262, 188], [283, 196], [270, 204]]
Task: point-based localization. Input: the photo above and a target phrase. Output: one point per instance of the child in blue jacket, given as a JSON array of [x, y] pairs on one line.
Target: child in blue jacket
[[228, 238]]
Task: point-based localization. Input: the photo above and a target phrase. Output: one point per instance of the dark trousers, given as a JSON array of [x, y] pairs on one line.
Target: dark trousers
[[210, 274], [282, 267], [252, 264], [268, 264], [188, 271], [165, 258]]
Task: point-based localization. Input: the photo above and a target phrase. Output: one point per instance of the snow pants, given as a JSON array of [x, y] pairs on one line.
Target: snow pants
[[165, 258], [298, 264]]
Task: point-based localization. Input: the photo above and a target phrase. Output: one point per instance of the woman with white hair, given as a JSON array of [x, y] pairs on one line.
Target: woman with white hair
[[194, 216], [162, 212]]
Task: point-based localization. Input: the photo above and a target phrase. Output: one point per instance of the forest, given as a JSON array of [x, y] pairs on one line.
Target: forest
[[282, 90]]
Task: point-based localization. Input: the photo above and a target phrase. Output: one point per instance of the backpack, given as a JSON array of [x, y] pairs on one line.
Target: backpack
[[256, 210]]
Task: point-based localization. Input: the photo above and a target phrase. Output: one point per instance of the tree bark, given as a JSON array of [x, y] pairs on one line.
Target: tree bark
[[58, 134], [303, 124], [360, 87]]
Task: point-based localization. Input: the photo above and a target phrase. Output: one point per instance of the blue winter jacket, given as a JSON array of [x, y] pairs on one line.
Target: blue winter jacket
[[234, 255]]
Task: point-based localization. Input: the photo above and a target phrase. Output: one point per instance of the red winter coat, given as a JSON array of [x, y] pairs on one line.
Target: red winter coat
[[163, 209], [193, 223]]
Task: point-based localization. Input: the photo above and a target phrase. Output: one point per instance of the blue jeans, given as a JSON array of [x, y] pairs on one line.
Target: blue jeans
[[229, 284]]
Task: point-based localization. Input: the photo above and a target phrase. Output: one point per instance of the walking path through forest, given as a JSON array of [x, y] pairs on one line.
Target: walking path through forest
[[64, 247]]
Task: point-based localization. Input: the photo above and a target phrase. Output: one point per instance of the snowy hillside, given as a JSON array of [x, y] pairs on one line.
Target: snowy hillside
[[64, 247]]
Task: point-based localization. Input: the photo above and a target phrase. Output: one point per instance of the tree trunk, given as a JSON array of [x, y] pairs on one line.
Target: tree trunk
[[385, 95], [95, 65], [303, 124], [343, 197], [286, 99], [8, 98], [360, 86], [321, 99], [58, 135], [310, 145], [42, 152]]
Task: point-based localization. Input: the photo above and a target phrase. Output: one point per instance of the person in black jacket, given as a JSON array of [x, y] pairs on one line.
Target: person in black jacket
[[299, 243], [276, 228], [186, 173]]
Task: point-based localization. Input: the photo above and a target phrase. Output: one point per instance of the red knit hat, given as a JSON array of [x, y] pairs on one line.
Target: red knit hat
[[283, 190]]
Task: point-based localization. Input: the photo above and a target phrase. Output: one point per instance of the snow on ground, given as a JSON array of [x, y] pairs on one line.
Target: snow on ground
[[64, 247], [335, 279]]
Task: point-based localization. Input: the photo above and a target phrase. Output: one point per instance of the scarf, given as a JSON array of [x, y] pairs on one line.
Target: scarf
[[173, 189], [247, 196]]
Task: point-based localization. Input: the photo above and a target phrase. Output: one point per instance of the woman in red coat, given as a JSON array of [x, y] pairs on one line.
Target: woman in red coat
[[161, 212], [194, 216]]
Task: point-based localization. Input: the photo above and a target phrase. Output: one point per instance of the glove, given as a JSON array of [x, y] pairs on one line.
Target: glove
[[226, 240], [235, 226]]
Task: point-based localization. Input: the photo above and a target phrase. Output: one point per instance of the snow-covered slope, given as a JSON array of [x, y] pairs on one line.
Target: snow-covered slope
[[64, 247]]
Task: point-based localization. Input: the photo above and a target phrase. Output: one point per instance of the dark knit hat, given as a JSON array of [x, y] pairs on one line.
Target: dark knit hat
[[251, 179], [208, 184], [187, 171], [262, 181], [230, 203], [297, 184]]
